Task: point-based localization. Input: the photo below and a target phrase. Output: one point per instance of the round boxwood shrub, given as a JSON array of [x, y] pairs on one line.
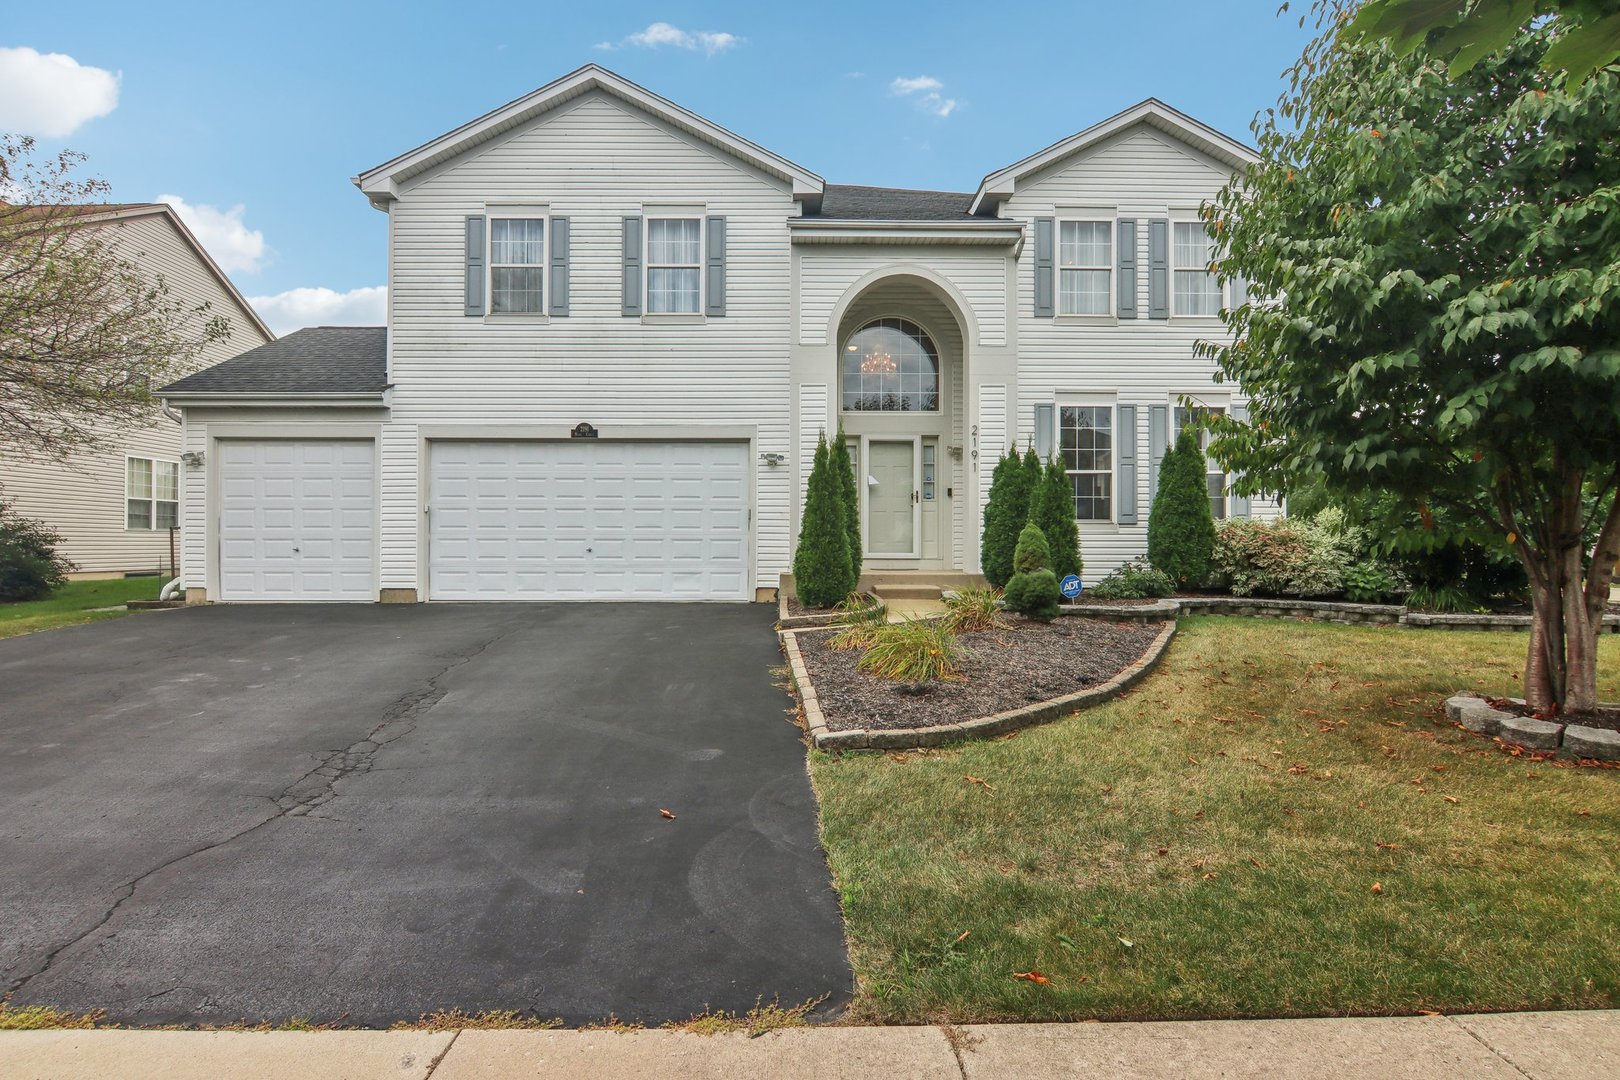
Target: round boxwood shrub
[[1033, 591], [1052, 509], [822, 572], [30, 568], [1181, 528]]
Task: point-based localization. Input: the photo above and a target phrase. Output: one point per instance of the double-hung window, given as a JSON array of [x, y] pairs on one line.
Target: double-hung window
[[517, 265], [1197, 290], [1214, 478], [1085, 267], [1086, 439], [151, 493], [674, 265]]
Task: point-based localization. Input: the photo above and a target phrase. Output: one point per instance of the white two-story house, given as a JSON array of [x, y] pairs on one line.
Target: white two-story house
[[616, 331]]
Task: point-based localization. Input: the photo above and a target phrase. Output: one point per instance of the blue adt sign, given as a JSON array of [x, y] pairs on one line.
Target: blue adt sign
[[1071, 586]]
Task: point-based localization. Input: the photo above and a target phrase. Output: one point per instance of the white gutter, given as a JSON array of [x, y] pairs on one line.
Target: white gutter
[[163, 404]]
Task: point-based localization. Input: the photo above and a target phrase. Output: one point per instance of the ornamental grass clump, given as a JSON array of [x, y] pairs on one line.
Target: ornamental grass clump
[[970, 611], [916, 650], [859, 616], [1033, 591]]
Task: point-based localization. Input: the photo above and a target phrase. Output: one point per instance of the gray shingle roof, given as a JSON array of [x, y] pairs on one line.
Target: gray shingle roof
[[849, 202], [315, 360]]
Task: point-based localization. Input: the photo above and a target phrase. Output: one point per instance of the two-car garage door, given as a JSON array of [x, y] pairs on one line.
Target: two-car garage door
[[588, 520]]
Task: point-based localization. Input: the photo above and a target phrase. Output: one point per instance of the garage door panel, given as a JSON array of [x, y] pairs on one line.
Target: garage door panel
[[579, 520], [297, 520]]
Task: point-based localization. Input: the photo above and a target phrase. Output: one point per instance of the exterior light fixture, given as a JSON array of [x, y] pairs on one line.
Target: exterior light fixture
[[772, 459]]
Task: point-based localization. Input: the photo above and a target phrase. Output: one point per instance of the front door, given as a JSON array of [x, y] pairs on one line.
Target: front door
[[892, 502]]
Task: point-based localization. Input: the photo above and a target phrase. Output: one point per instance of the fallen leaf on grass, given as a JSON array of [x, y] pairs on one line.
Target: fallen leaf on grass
[[1211, 876], [1032, 976], [666, 814], [1128, 943], [961, 937], [1583, 813], [981, 782], [1450, 798], [1378, 888], [1255, 863], [1068, 943], [1386, 847]]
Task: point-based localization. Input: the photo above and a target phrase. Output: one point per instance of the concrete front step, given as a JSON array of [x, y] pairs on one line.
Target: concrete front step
[[909, 592]]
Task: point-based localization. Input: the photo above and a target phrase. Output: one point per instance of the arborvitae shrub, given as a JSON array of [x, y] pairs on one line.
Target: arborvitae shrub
[[822, 572], [1181, 528], [1053, 510], [1033, 590]]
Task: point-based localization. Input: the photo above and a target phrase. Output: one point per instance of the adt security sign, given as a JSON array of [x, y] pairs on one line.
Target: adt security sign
[[1071, 586]]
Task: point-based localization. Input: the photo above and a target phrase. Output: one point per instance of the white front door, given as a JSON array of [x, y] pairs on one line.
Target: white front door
[[297, 519], [587, 520], [892, 500]]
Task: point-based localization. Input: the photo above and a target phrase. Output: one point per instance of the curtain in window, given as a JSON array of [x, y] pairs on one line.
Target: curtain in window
[[674, 252], [1083, 244], [1197, 290]]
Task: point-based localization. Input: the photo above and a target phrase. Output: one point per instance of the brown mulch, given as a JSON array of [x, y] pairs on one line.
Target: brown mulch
[[1606, 716], [795, 608], [1001, 669]]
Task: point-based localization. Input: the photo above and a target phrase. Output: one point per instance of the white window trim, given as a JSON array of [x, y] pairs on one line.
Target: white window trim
[[1186, 217], [152, 500], [1187, 401], [516, 213], [1094, 215], [674, 213], [1112, 472]]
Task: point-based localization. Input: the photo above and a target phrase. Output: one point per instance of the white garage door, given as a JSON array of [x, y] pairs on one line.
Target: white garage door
[[296, 519], [583, 520]]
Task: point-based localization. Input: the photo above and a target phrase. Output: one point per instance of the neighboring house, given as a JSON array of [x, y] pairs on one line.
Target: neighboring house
[[616, 331], [115, 506]]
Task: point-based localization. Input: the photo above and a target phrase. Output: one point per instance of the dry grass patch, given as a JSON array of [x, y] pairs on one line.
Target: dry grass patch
[[759, 1020], [42, 1017], [1208, 844], [489, 1020]]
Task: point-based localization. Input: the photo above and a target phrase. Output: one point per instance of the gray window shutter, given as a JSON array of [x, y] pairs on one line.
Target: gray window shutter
[[1045, 430], [1159, 268], [715, 283], [1238, 504], [1043, 268], [1240, 292], [1125, 462], [559, 266], [473, 290], [632, 267], [1125, 257], [1158, 440]]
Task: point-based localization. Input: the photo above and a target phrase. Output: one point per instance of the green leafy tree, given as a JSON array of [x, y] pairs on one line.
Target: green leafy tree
[[1441, 261], [1003, 519], [1052, 509], [85, 333], [1033, 590], [822, 572], [1466, 31], [1181, 526], [844, 469]]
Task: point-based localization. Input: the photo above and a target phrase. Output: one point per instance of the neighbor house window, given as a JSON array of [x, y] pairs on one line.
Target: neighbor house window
[[1086, 438], [1085, 267], [1197, 290], [1214, 478], [890, 365], [517, 267], [674, 265], [151, 493]]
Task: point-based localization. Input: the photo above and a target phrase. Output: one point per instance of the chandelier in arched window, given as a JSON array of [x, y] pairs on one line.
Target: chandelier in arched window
[[890, 365]]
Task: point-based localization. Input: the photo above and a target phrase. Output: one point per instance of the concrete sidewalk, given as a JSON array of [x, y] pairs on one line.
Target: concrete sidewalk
[[1512, 1046]]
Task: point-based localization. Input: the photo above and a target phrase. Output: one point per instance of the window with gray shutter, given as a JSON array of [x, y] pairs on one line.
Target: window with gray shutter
[[1043, 268], [1240, 503], [631, 306], [473, 289], [1159, 268], [1126, 256], [1125, 457], [1045, 430], [1158, 440], [714, 303], [559, 266]]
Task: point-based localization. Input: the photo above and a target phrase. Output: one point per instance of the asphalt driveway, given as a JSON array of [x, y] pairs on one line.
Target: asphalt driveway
[[374, 812]]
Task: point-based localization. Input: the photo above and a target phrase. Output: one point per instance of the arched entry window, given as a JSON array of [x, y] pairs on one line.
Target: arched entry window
[[890, 365]]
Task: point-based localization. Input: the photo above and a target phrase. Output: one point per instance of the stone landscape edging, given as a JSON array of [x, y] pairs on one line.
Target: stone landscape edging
[[1474, 713], [824, 738]]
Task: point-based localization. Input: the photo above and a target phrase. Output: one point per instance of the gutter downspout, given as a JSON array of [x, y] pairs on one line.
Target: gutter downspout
[[168, 590]]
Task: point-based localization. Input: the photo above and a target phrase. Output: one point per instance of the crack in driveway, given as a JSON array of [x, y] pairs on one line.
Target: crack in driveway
[[314, 788]]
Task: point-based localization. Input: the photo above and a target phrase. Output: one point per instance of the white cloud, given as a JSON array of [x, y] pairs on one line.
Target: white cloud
[[660, 34], [926, 91], [51, 94], [295, 308], [222, 233]]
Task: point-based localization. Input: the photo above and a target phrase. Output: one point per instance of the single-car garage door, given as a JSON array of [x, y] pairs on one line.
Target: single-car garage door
[[297, 519], [587, 520]]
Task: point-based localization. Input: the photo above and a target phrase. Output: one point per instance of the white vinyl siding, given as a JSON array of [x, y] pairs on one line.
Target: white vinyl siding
[[517, 257], [674, 265], [151, 493], [826, 274], [1195, 290], [1085, 267], [594, 160]]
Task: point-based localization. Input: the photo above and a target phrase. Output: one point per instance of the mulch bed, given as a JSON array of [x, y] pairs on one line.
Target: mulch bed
[[795, 608], [1001, 669], [1607, 716]]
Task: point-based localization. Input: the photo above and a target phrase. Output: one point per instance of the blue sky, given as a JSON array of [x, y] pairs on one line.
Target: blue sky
[[254, 117]]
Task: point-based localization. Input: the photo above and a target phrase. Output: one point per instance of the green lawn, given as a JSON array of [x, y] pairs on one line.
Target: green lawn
[[74, 603], [1209, 845]]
